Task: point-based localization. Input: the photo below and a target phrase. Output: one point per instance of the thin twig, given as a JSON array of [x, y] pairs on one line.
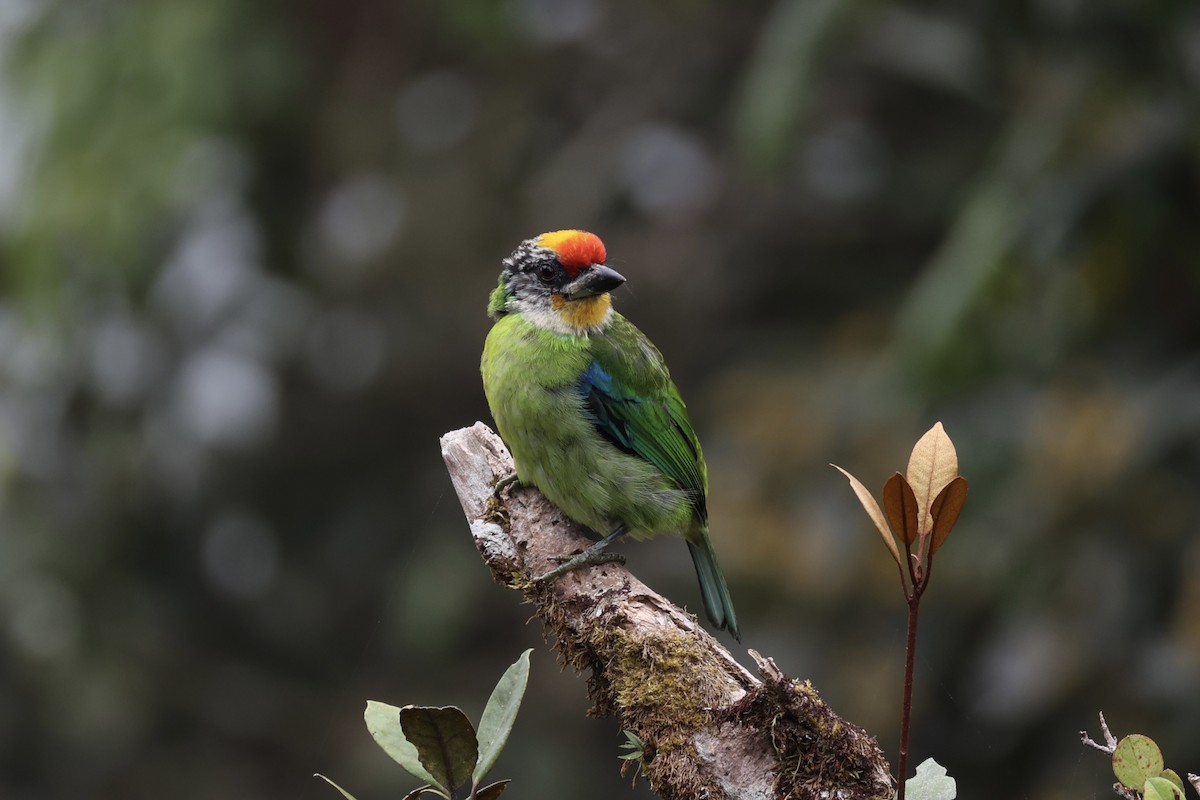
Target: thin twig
[[1110, 744]]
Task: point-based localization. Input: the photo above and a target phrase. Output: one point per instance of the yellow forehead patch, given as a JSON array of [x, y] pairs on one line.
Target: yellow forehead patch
[[555, 239]]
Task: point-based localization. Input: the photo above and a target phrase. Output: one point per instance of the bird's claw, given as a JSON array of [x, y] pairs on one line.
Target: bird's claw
[[503, 483], [588, 558], [598, 558]]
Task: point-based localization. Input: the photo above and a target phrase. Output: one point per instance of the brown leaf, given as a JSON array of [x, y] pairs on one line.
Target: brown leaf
[[945, 510], [492, 790], [901, 506], [874, 512], [417, 794], [932, 465]]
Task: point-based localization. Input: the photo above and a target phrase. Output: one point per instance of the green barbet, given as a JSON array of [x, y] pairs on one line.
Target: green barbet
[[589, 411]]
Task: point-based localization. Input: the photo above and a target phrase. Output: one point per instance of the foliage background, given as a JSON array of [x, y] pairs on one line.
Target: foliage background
[[246, 249]]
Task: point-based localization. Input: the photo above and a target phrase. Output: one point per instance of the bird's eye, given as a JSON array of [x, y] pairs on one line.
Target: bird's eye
[[546, 272]]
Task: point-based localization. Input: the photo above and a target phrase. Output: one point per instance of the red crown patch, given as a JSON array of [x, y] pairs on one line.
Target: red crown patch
[[576, 250]]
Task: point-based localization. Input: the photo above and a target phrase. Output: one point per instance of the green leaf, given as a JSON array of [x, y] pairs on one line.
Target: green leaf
[[1136, 760], [1174, 778], [492, 790], [345, 794], [500, 713], [1160, 788], [383, 721], [930, 783], [635, 746], [445, 742]]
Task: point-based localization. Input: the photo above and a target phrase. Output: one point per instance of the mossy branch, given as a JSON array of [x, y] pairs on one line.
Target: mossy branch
[[711, 728]]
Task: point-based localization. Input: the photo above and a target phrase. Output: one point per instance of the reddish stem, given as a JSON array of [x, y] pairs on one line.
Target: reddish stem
[[920, 579], [910, 650]]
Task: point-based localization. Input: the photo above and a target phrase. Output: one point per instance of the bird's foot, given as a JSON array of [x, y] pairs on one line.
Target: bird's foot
[[503, 483], [590, 557]]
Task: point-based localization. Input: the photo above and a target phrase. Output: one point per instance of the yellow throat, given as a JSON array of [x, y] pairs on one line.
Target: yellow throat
[[583, 315]]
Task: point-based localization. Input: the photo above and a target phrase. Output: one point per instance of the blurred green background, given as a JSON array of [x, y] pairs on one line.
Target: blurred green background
[[245, 250]]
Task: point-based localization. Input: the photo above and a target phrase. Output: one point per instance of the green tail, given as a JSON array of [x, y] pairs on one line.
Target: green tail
[[712, 586]]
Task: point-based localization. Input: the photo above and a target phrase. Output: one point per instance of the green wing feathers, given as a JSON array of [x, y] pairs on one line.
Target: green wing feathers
[[634, 405]]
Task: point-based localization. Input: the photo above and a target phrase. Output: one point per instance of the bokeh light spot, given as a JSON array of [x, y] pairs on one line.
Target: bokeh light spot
[[240, 556], [843, 163], [557, 21], [44, 618], [345, 349], [437, 110], [362, 218], [225, 399], [667, 171]]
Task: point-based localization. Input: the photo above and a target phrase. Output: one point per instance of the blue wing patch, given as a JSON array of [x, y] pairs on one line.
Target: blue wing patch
[[649, 428], [603, 407]]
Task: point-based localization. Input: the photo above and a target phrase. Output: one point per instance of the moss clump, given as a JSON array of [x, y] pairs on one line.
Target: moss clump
[[663, 685], [665, 688], [660, 683], [497, 512], [814, 748]]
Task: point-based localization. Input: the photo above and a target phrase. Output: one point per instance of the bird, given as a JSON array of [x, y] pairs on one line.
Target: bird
[[588, 409]]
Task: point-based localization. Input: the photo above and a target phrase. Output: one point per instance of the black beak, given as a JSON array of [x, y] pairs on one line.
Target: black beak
[[596, 279]]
